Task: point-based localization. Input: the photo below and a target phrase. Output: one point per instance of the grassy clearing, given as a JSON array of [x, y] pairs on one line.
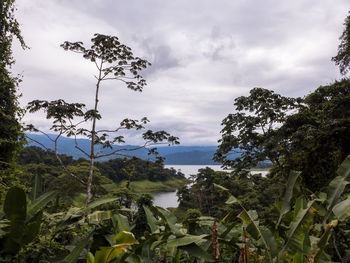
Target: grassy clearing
[[146, 186]]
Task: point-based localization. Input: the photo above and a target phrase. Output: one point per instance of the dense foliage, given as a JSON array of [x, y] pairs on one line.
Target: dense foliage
[[255, 191], [38, 164], [10, 129]]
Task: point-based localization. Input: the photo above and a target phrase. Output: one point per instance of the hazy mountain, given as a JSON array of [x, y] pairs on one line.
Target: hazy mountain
[[173, 154]]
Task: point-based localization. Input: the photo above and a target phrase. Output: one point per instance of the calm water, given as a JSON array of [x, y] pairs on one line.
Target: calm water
[[169, 199]]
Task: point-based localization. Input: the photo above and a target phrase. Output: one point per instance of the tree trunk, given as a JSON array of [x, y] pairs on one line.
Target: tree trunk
[[93, 136]]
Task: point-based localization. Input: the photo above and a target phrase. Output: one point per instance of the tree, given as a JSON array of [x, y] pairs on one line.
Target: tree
[[319, 134], [113, 61], [342, 59], [253, 131], [10, 129]]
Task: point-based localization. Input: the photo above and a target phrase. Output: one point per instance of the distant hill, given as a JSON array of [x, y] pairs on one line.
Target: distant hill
[[195, 155]]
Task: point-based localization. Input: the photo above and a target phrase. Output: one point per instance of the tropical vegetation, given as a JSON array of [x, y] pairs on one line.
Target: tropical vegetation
[[55, 208]]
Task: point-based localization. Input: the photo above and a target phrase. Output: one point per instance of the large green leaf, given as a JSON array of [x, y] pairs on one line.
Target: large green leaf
[[36, 187], [170, 221], [197, 252], [342, 209], [98, 216], [121, 222], [293, 176], [15, 208], [124, 238], [183, 241], [90, 258], [32, 228], [219, 187], [151, 220], [249, 219], [107, 254], [296, 233], [337, 186], [74, 255], [98, 202], [39, 203], [322, 243]]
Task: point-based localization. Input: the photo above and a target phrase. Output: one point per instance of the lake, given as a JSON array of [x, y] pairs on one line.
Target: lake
[[169, 199]]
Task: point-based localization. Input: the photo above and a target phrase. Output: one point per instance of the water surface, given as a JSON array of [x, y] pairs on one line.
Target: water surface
[[169, 199]]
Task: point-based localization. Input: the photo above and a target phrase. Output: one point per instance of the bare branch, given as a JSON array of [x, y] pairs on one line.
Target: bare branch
[[63, 165], [110, 131], [78, 147], [42, 145], [117, 152]]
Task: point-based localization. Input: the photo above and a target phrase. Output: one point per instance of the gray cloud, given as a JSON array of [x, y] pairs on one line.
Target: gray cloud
[[204, 54]]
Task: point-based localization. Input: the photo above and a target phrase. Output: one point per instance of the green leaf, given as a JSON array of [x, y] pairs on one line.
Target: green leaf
[[219, 187], [183, 241], [90, 258], [15, 206], [36, 187], [98, 202], [151, 220], [317, 252], [32, 228], [122, 222], [74, 255], [39, 204], [337, 186], [232, 200], [99, 216], [293, 176], [125, 238], [249, 218], [342, 209], [296, 233], [170, 220], [197, 252], [107, 254]]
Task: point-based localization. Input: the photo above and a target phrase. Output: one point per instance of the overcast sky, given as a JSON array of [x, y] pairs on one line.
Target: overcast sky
[[204, 54]]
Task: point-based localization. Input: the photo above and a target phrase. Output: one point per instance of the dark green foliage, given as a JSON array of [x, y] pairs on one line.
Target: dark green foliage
[[255, 192], [73, 188], [10, 129], [342, 59], [20, 221], [191, 220], [36, 155], [117, 170], [253, 129], [319, 134], [141, 220]]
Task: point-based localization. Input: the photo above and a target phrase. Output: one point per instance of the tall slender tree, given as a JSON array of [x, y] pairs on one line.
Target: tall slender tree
[[113, 61]]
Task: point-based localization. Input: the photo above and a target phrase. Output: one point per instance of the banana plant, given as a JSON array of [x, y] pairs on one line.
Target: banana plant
[[294, 237], [170, 241], [20, 221], [106, 254]]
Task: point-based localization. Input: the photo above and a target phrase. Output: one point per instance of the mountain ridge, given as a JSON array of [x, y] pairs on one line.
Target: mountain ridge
[[189, 155]]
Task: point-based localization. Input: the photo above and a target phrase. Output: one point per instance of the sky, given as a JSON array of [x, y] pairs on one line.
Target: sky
[[204, 54]]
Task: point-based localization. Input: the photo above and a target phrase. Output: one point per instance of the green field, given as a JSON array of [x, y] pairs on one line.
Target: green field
[[146, 186]]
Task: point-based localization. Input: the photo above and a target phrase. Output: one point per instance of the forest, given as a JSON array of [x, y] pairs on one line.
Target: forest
[[56, 208]]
